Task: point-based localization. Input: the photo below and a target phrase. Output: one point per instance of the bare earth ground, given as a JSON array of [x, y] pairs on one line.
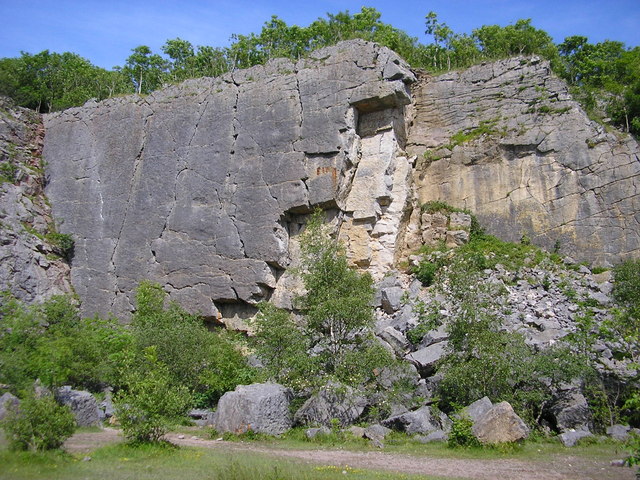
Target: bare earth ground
[[556, 467]]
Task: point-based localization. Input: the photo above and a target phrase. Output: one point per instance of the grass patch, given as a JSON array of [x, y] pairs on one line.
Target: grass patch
[[160, 462]]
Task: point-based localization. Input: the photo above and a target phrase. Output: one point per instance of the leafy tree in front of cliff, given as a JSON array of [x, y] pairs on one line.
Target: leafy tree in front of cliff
[[207, 363], [51, 342], [336, 325]]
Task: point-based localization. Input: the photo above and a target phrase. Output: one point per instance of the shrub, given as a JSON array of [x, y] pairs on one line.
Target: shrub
[[205, 362], [51, 342], [38, 424], [461, 434], [150, 402]]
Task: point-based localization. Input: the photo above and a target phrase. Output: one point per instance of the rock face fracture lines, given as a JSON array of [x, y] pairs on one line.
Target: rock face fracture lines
[[203, 186]]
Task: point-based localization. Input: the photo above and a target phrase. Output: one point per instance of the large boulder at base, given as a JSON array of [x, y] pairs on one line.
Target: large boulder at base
[[500, 424], [334, 401], [260, 407], [422, 421], [570, 409], [8, 402], [83, 405]]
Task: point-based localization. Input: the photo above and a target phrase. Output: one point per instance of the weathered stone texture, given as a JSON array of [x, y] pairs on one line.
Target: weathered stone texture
[[29, 268], [194, 185], [540, 167], [260, 408]]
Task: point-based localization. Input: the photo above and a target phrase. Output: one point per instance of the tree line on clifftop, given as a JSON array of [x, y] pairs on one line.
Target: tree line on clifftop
[[604, 76]]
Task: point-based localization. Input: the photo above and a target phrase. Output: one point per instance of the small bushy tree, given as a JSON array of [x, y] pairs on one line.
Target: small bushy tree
[[150, 402], [38, 424], [207, 363], [334, 339]]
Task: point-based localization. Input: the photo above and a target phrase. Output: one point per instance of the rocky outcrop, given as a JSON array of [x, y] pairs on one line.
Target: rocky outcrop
[[82, 404], [334, 402], [203, 186], [506, 141], [31, 268], [199, 185]]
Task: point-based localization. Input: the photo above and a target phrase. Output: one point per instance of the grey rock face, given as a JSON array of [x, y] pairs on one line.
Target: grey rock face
[[500, 424], [260, 408], [8, 402], [426, 358], [332, 402], [570, 409], [196, 185], [30, 269], [83, 405], [562, 177]]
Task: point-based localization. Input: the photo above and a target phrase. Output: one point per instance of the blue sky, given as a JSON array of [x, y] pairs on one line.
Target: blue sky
[[105, 31]]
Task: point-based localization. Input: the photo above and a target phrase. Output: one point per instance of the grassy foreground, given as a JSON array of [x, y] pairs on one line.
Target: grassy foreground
[[159, 462]]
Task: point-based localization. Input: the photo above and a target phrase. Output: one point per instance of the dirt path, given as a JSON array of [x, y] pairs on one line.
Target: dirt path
[[557, 467]]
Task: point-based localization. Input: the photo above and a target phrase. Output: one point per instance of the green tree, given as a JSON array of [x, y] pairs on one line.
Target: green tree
[[145, 69], [207, 363], [337, 303], [336, 323], [150, 402]]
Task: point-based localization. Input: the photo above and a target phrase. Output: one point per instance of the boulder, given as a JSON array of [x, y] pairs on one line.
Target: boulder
[[477, 409], [260, 407], [8, 402], [617, 432], [391, 298], [421, 421], [435, 436], [571, 437], [312, 433], [570, 409], [376, 433], [83, 405], [201, 417], [331, 403], [500, 424], [426, 358]]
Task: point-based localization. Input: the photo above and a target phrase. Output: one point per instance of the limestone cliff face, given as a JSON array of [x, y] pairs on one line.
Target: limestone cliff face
[[30, 268], [197, 186], [202, 186], [506, 141]]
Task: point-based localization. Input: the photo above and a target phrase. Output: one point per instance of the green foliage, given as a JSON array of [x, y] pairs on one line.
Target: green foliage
[[338, 299], [38, 424], [283, 348], [461, 434], [336, 324], [8, 172], [207, 363], [484, 359], [52, 343], [426, 272], [62, 243], [150, 402]]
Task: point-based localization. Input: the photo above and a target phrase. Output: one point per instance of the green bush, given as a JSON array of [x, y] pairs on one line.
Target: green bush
[[51, 342], [38, 424], [150, 402], [208, 363], [461, 434]]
